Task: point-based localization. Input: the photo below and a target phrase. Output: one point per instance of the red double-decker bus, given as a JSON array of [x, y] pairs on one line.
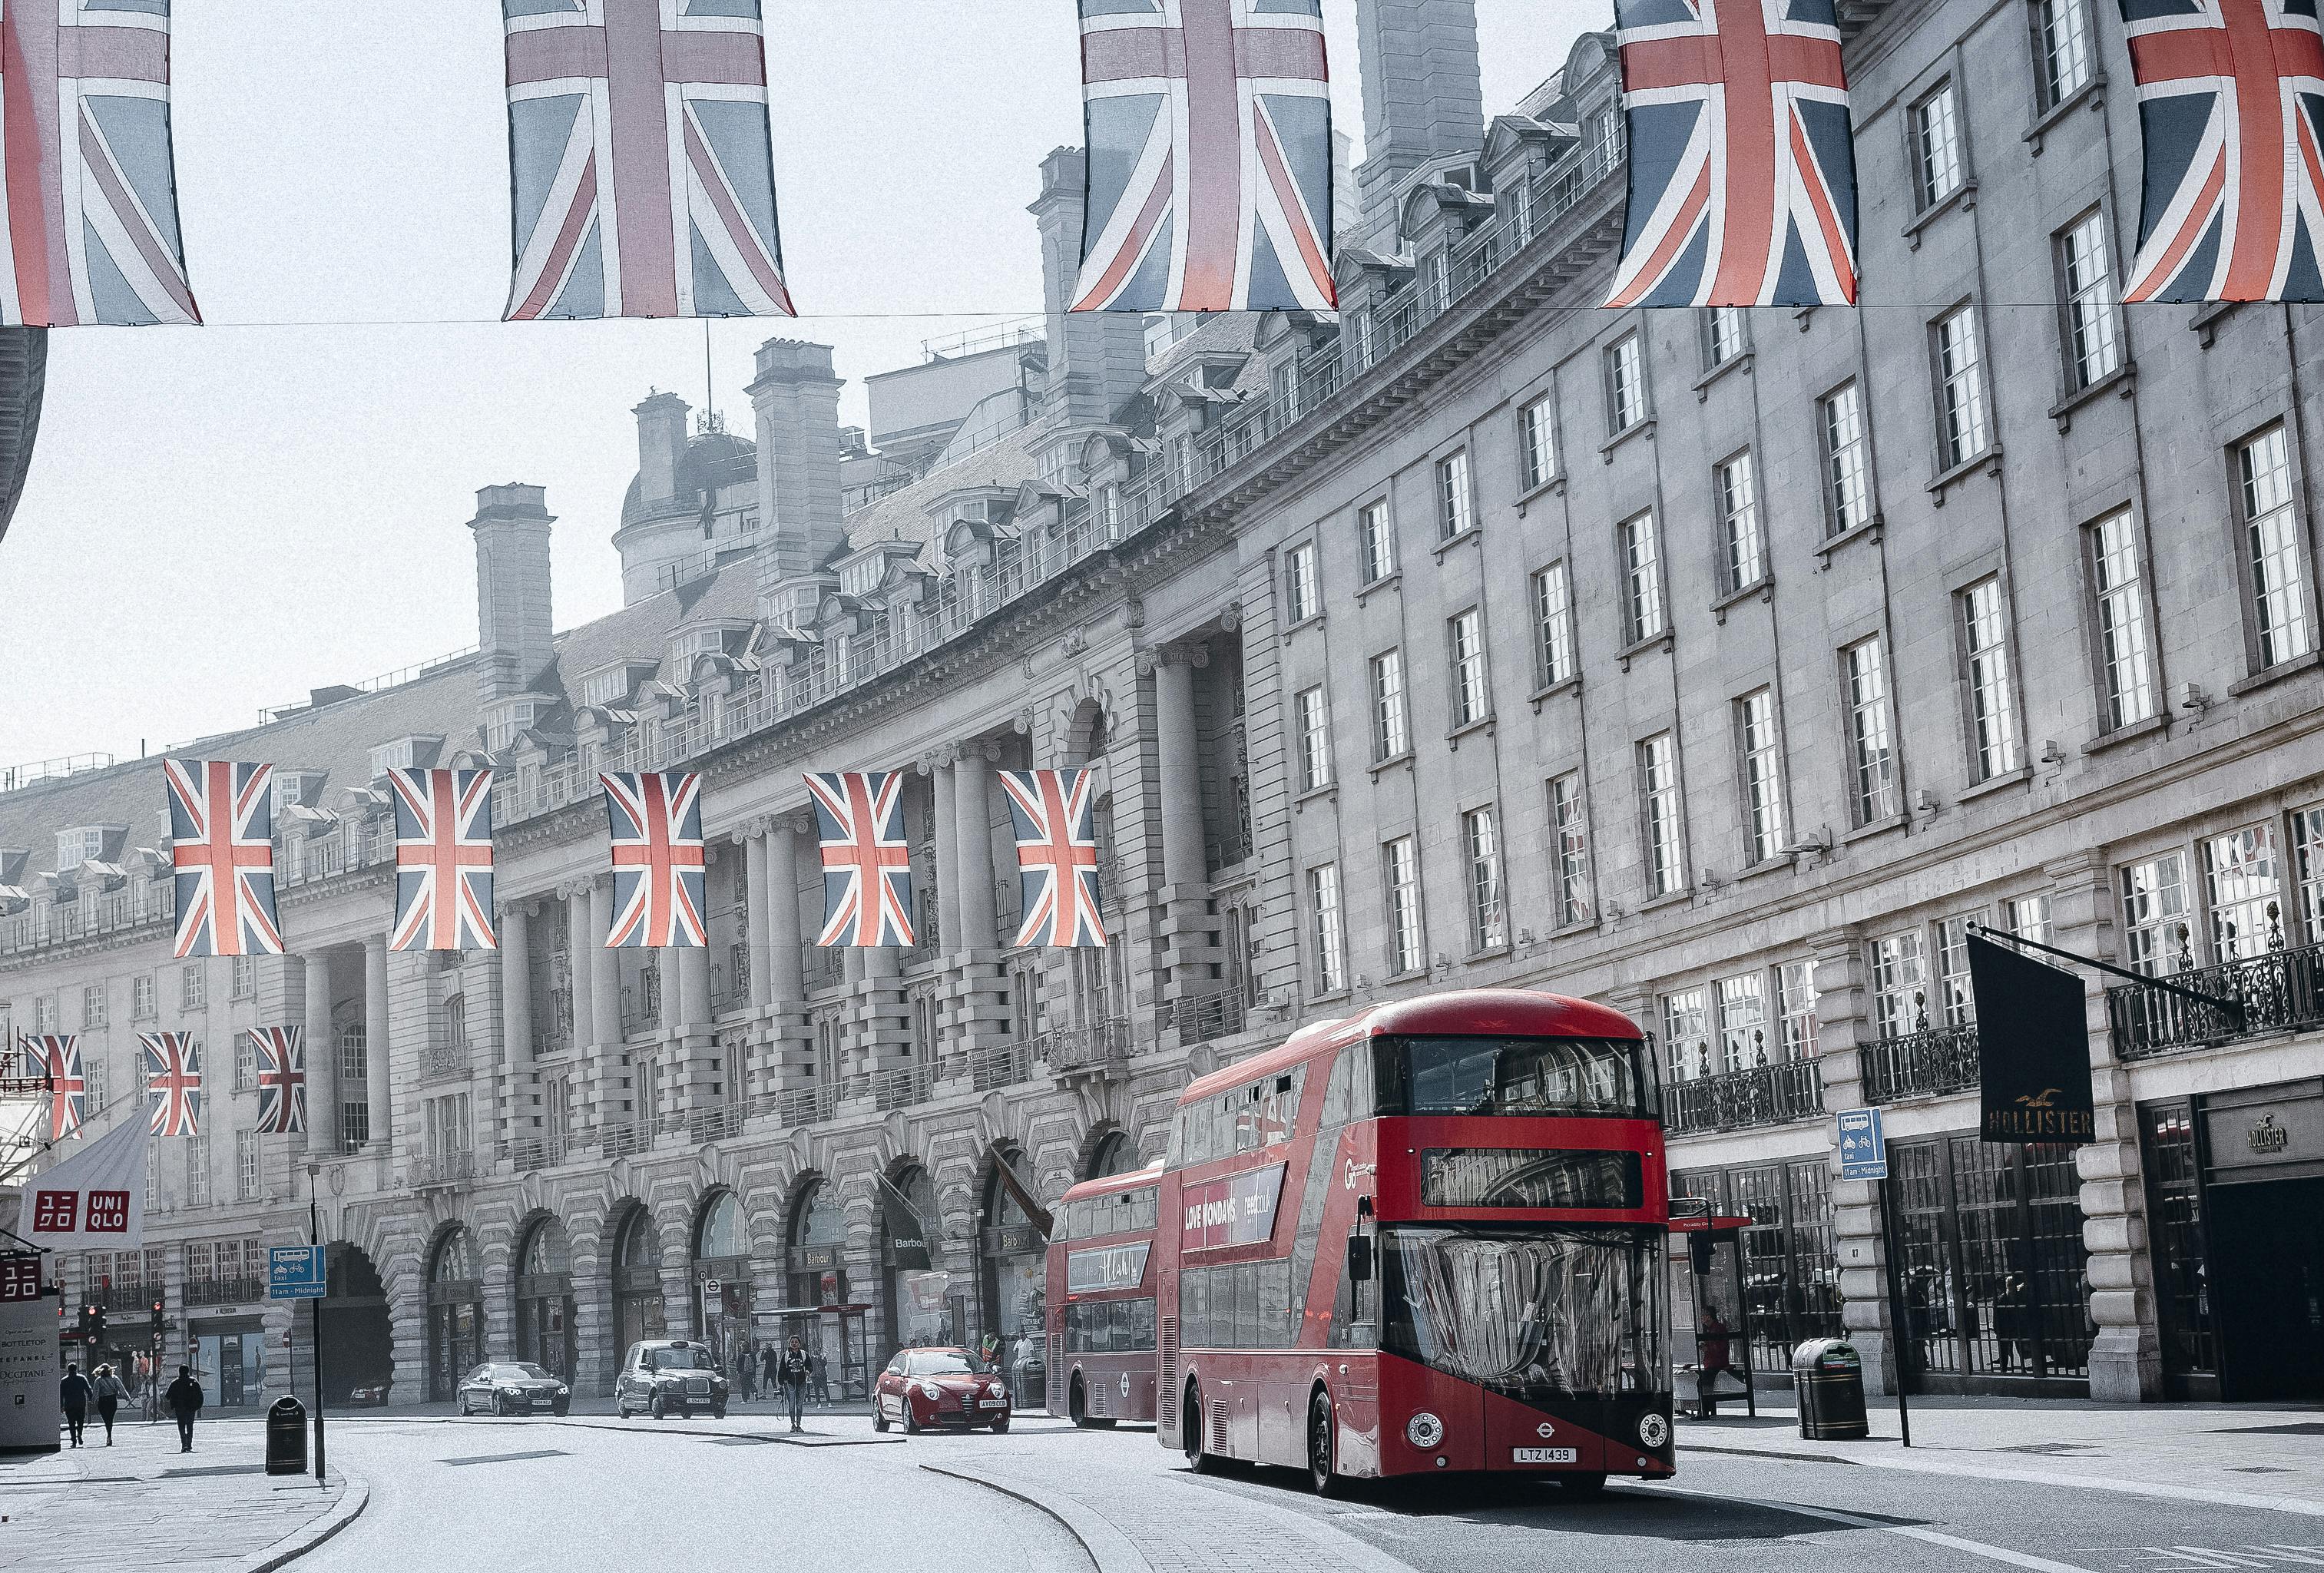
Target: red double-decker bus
[[1427, 1238], [1101, 1311]]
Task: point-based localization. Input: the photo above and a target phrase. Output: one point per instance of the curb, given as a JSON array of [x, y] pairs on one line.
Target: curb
[[663, 1428], [1108, 1548], [354, 1496]]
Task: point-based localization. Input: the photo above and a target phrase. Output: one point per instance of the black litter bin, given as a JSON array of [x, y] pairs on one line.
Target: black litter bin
[[1827, 1376], [286, 1437]]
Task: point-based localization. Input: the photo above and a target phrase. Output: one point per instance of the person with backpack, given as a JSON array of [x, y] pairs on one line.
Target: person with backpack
[[792, 1370], [73, 1392], [185, 1400], [110, 1394]]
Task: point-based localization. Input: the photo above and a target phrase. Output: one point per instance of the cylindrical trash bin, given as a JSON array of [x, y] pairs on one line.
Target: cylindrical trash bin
[[286, 1437], [1828, 1377]]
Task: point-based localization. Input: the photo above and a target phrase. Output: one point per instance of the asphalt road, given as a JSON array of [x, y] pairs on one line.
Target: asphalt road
[[571, 1497]]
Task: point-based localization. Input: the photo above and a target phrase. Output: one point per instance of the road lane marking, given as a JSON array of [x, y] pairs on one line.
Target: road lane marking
[[1912, 1532], [511, 1457], [1924, 1466]]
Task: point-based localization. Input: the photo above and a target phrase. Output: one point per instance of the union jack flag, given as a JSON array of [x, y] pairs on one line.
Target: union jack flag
[[282, 1080], [222, 834], [1209, 127], [173, 1081], [1742, 164], [867, 867], [2231, 107], [92, 200], [658, 859], [57, 1059], [443, 860], [1055, 815], [640, 163]]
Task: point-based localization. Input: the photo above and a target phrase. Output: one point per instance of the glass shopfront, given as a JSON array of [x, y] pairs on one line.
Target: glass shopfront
[[230, 1361], [1790, 1280], [456, 1314], [918, 1298], [1013, 1263], [637, 1281], [722, 1279], [545, 1312]]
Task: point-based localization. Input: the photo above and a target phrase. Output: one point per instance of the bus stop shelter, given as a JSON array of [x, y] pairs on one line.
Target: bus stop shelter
[[1709, 1284]]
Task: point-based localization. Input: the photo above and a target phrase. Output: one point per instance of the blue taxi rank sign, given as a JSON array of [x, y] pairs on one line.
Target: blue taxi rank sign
[[1863, 1149], [294, 1272]]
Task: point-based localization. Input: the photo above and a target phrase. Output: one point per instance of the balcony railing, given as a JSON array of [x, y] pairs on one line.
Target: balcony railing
[[2279, 990], [1003, 1065], [92, 915], [719, 1122], [120, 1296], [1931, 1063], [530, 1152], [224, 1291], [1758, 1095], [443, 1168], [1091, 1046], [1202, 1018]]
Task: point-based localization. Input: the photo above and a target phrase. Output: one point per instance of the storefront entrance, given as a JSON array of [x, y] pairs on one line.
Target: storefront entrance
[[456, 1315], [545, 1312], [637, 1284], [230, 1361]]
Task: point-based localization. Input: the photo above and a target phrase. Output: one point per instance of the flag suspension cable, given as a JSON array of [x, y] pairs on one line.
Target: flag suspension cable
[[2217, 1002]]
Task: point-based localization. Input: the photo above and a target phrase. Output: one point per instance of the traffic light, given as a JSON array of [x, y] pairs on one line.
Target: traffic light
[[157, 1316], [96, 1326], [80, 1322]]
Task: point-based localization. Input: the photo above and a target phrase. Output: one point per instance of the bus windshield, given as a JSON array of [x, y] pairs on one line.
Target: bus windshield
[[1569, 1313], [1514, 1076]]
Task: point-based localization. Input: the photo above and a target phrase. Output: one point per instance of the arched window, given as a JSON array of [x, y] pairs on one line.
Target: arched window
[[637, 1278], [1115, 1153], [722, 1228], [455, 1025], [456, 1259]]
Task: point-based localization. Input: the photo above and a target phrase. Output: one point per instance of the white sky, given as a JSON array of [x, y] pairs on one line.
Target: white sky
[[219, 519]]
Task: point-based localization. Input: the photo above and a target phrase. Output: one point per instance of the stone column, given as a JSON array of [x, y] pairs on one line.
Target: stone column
[[322, 1058], [786, 976], [582, 937], [972, 809], [375, 1041], [604, 965], [973, 1011], [755, 902], [516, 986], [1188, 929], [1860, 1234], [947, 869]]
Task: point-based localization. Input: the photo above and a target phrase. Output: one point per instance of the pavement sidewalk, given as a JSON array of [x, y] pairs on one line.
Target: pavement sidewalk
[[2244, 1455], [141, 1503]]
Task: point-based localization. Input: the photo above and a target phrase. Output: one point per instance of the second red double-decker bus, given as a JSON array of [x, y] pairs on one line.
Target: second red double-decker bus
[[1101, 1272], [1426, 1238]]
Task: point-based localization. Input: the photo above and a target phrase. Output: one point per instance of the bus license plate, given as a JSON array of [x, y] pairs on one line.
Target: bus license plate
[[1545, 1455]]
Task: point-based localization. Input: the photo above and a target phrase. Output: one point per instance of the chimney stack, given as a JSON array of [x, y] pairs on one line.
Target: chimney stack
[[1097, 359], [796, 397], [1423, 95], [516, 630], [661, 440]]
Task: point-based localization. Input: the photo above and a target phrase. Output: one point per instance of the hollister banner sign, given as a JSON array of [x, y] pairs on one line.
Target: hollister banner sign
[[2034, 1048]]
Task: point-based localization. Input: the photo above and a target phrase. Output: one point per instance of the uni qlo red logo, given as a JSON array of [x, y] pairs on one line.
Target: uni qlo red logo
[[20, 1277], [56, 1212], [108, 1212]]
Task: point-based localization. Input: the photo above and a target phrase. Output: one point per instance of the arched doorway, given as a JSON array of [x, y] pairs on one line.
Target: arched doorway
[[921, 1306], [545, 1313], [456, 1313], [817, 1232], [636, 1280], [721, 1276], [1011, 1259], [1115, 1153], [358, 1336]]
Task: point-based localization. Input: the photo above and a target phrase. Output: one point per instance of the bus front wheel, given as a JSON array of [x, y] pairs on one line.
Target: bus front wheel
[[1190, 1432], [1323, 1438], [1077, 1406]]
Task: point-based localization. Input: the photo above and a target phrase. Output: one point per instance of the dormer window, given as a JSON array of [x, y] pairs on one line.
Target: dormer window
[[505, 722], [294, 789], [610, 687], [404, 754], [691, 642], [76, 847], [862, 577]]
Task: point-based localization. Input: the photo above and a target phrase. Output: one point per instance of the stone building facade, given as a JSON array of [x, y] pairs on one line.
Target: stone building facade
[[1723, 667]]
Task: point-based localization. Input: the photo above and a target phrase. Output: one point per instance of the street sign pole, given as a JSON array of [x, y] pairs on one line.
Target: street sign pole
[[298, 1273], [315, 1309], [1905, 1344], [1864, 1155]]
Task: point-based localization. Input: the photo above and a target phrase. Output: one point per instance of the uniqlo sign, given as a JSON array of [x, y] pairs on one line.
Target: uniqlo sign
[[20, 1277], [108, 1212], [56, 1211]]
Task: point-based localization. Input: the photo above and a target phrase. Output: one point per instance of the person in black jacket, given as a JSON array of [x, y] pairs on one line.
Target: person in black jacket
[[792, 1370], [73, 1392], [185, 1400], [109, 1393]]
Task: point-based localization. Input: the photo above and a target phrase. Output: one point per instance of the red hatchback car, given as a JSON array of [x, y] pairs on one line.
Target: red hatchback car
[[939, 1387]]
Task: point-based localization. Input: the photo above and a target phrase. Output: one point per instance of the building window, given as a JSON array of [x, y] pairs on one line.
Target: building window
[[1377, 541], [1874, 774], [244, 977], [1686, 1028], [2115, 580], [2308, 862], [1315, 721], [2279, 588], [1625, 384], [1722, 335], [1992, 696], [1641, 601], [2093, 318], [1742, 550], [1454, 516], [1936, 146], [1400, 863], [1962, 430], [193, 986], [1955, 999], [1302, 598], [1899, 991], [1391, 736], [1330, 955], [141, 997], [1471, 703], [1659, 809], [95, 1010], [1763, 775], [75, 847], [1570, 828], [355, 1104], [2061, 45], [44, 1013], [1742, 1004], [246, 1165], [92, 1076], [2027, 917], [1537, 442], [197, 1170], [2244, 892], [246, 1063], [2155, 937], [1552, 611], [1488, 923], [1797, 1002], [1848, 474]]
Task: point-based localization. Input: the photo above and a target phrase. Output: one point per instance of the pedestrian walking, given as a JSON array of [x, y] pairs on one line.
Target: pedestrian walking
[[746, 1371], [794, 1369], [821, 1374], [110, 1394], [770, 1358], [185, 1398], [73, 1394]]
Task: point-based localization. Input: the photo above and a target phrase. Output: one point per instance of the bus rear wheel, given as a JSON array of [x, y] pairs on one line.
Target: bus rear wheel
[[1190, 1433], [1323, 1438]]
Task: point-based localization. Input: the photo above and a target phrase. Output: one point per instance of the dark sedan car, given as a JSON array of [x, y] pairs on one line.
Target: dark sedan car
[[514, 1388], [669, 1376]]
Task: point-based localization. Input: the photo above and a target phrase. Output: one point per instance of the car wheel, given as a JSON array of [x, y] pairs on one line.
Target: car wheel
[[1323, 1444], [878, 1414], [500, 1406], [1001, 1426], [560, 1409], [1190, 1432], [911, 1420], [718, 1411], [659, 1407], [1077, 1407]]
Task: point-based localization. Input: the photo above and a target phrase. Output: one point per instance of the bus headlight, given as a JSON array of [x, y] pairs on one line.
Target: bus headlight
[[1653, 1429], [1423, 1430]]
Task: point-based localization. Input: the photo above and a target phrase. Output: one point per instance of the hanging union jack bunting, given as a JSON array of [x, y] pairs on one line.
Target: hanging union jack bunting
[[658, 859], [640, 163], [57, 1059], [91, 189], [222, 843], [867, 867], [443, 860], [282, 1080], [1742, 164], [173, 1083], [2231, 107], [1054, 814], [1209, 125]]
